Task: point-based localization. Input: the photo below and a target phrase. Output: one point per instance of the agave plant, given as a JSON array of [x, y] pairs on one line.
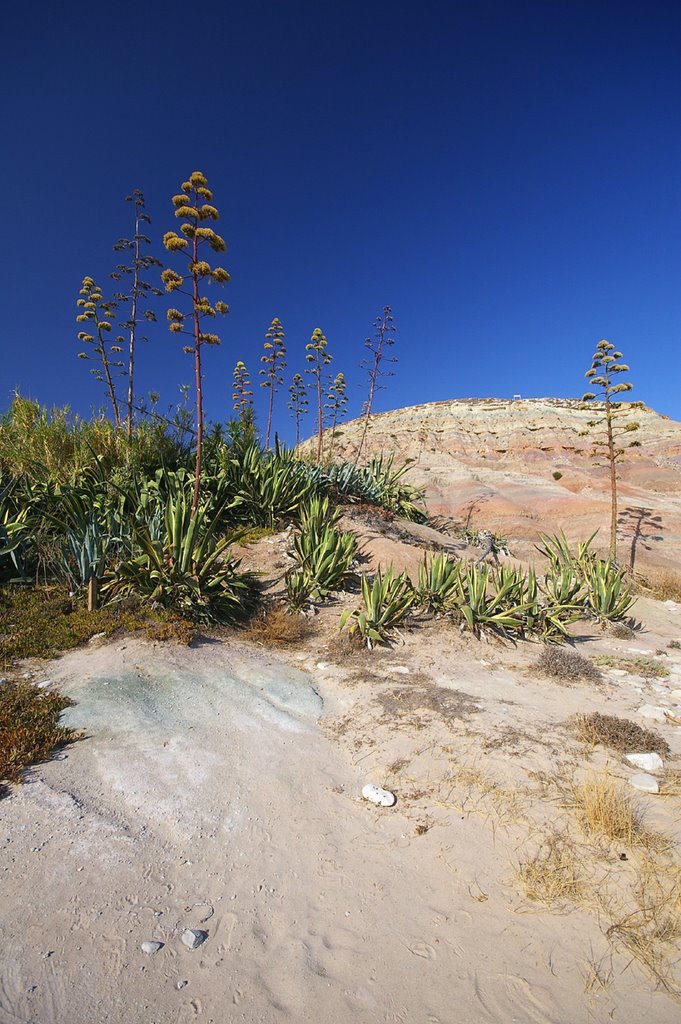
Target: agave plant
[[187, 569], [497, 609], [556, 548], [546, 614], [324, 558], [438, 581], [387, 600], [608, 593], [264, 487]]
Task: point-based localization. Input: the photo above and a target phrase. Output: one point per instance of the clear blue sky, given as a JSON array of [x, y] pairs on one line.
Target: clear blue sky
[[504, 175]]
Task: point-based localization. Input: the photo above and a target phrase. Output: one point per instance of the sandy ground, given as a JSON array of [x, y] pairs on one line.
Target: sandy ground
[[219, 788]]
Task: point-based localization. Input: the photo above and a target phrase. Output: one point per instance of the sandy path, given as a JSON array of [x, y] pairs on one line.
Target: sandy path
[[207, 797]]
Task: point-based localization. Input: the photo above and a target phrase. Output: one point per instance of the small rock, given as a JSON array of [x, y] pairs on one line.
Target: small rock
[[149, 946], [44, 683], [401, 670], [378, 796], [671, 604], [646, 783], [675, 695], [620, 672], [181, 984], [646, 762], [193, 937], [322, 666], [652, 712]]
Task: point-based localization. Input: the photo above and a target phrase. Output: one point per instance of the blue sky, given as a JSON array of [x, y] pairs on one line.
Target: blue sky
[[504, 175]]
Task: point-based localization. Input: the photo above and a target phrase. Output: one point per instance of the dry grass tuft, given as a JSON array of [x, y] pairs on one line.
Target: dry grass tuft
[[275, 627], [604, 808], [617, 733], [599, 974], [566, 665], [552, 875]]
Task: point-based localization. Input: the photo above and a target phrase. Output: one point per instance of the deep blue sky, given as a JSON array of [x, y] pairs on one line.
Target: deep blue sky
[[504, 175]]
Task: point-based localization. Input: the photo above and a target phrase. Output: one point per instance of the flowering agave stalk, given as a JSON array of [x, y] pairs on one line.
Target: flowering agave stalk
[[298, 403], [100, 316], [275, 361], [193, 205], [140, 290], [318, 356], [611, 420]]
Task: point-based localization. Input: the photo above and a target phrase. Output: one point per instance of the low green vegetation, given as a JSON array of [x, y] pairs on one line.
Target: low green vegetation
[[29, 727], [640, 665]]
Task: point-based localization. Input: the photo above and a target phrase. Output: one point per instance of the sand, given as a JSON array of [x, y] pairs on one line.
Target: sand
[[219, 788]]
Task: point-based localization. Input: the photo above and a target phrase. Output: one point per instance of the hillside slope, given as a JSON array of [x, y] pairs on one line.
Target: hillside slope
[[524, 466]]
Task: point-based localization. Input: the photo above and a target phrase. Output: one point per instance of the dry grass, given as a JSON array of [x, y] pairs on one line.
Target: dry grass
[[275, 627], [617, 733], [665, 585], [553, 874], [598, 975], [604, 808], [566, 665]]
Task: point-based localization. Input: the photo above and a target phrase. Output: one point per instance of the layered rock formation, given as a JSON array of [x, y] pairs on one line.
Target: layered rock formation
[[524, 466]]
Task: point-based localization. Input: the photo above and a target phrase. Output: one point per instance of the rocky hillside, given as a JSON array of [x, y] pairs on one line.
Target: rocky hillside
[[524, 466]]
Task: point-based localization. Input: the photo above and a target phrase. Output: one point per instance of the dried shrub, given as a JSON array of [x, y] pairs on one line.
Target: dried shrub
[[617, 733], [566, 665], [621, 631], [29, 726], [276, 627]]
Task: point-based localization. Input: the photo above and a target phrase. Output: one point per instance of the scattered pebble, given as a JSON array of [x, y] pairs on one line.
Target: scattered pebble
[[401, 670], [149, 946], [675, 695], [322, 666], [181, 984], [620, 672], [652, 712], [671, 604], [193, 937], [646, 783], [44, 683], [646, 762], [378, 796]]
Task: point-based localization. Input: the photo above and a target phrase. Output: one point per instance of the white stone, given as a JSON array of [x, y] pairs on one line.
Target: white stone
[[322, 666], [378, 796], [193, 937], [401, 670], [675, 695], [671, 604], [148, 946], [619, 672], [646, 783], [652, 712], [646, 762]]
